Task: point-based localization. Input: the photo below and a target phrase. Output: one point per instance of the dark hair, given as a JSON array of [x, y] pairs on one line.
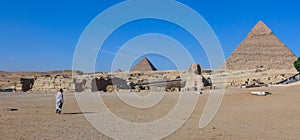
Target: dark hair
[[61, 90]]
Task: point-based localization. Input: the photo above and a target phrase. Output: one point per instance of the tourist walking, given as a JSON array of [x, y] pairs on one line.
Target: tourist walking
[[59, 101]]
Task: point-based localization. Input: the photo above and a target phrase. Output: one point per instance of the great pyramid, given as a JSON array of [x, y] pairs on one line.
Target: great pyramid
[[261, 49], [144, 65]]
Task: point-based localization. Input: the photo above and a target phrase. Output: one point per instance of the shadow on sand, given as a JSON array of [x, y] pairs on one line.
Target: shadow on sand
[[75, 113]]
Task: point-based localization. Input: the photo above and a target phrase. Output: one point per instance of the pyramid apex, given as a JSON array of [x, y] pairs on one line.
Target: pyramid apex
[[262, 24], [260, 29], [260, 21], [145, 58]]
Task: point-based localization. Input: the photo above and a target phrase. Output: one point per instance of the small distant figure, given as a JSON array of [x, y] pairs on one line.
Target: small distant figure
[[59, 101]]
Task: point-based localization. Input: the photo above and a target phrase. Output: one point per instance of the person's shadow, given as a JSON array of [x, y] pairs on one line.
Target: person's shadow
[[76, 113]]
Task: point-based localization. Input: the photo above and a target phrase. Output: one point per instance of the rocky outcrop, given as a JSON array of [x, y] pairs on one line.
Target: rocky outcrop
[[196, 69]]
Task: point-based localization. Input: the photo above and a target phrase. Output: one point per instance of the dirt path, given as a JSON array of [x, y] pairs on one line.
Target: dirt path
[[241, 116]]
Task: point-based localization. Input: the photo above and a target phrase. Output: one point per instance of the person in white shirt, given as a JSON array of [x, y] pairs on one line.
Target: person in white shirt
[[59, 101]]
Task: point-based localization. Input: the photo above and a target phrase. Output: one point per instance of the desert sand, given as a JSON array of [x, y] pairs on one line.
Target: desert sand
[[241, 116]]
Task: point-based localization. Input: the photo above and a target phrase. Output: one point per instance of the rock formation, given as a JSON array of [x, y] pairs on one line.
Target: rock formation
[[261, 49], [196, 69]]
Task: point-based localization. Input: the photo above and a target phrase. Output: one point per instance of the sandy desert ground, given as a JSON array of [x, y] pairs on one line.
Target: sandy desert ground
[[241, 116]]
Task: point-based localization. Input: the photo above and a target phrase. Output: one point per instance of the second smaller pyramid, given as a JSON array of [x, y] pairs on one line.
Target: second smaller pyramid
[[144, 65]]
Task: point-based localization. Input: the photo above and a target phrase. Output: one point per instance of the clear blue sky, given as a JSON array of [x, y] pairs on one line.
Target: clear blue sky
[[42, 35]]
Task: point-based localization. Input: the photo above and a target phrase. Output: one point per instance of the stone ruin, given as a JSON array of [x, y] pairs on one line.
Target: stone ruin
[[52, 83], [196, 69], [138, 81], [192, 80]]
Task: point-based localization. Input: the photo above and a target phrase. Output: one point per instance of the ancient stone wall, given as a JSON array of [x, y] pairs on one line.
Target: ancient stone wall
[[52, 83]]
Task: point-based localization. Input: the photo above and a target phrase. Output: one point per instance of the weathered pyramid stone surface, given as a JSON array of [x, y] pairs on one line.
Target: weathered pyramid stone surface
[[144, 65], [261, 49]]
